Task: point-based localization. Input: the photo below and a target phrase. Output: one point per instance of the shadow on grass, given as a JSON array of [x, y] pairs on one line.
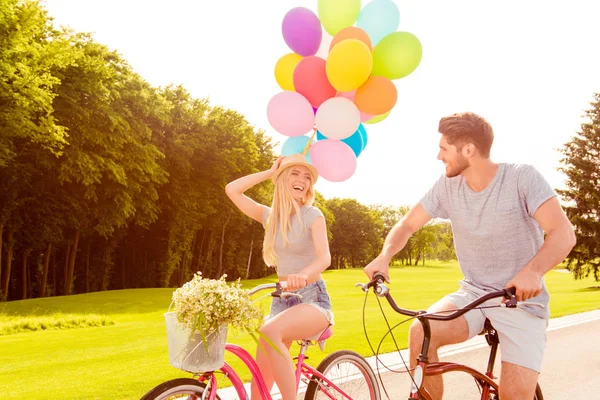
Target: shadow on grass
[[590, 289]]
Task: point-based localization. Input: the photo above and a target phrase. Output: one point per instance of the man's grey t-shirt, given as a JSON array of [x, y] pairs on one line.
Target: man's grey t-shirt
[[495, 233]]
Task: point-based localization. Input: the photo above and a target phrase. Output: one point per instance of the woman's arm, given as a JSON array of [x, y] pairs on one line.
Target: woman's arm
[[235, 191]]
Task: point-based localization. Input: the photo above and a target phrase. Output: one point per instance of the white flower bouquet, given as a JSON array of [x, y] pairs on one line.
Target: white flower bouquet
[[203, 311]]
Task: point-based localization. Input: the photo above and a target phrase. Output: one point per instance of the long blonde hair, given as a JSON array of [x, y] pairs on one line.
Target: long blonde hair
[[280, 215]]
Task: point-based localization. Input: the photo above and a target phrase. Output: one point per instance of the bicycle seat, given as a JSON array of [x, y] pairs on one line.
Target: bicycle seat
[[323, 336]]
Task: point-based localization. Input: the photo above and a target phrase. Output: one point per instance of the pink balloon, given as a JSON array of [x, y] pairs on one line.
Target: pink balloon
[[350, 96], [290, 113], [334, 160]]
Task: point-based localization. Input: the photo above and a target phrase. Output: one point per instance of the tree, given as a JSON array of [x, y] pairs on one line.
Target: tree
[[582, 167]]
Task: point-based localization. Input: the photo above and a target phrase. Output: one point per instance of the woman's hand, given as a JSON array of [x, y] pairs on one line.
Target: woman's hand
[[296, 281], [275, 166]]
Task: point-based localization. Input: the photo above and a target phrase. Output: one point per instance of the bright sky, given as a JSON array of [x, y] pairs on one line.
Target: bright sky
[[530, 67]]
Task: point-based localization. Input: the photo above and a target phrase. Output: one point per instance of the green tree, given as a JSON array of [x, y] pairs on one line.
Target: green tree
[[581, 165]]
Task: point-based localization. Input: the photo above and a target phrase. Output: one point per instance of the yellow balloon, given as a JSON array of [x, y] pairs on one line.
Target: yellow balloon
[[349, 65], [284, 70], [336, 15]]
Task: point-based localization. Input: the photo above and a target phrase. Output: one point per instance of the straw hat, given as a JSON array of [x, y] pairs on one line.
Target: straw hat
[[295, 159]]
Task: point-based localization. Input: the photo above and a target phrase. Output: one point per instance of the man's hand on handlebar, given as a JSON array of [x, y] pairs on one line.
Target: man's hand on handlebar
[[378, 265]]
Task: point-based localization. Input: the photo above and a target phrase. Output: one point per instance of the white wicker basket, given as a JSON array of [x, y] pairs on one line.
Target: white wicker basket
[[188, 353]]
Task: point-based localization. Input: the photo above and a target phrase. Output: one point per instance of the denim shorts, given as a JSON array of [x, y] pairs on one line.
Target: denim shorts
[[314, 294]]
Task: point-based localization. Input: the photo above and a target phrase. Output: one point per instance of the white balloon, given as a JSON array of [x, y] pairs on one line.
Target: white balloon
[[337, 118], [323, 51]]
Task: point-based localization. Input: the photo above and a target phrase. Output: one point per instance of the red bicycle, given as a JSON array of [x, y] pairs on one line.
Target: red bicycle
[[487, 385]]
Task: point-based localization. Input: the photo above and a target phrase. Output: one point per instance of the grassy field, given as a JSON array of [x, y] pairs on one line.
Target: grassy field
[[112, 345]]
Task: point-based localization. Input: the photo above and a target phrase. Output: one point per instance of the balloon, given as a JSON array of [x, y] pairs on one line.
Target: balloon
[[302, 31], [363, 133], [349, 65], [351, 32], [295, 145], [290, 114], [310, 80], [355, 141], [284, 70], [378, 19], [350, 96], [323, 51], [337, 14], [337, 118], [378, 118], [397, 55], [377, 96], [334, 160]]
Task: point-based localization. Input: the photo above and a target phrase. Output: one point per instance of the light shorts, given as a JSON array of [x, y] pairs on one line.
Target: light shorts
[[522, 334], [314, 294]]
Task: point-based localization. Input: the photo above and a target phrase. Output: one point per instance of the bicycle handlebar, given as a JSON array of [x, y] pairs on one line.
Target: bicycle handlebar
[[278, 286], [381, 290]]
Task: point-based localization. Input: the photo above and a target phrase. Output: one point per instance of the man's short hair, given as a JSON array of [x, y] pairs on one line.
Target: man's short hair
[[468, 127]]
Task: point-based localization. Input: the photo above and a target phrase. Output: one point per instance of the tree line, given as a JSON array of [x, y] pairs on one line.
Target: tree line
[[110, 183]]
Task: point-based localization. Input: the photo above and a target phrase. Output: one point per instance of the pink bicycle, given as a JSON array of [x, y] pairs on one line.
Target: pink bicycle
[[343, 374]]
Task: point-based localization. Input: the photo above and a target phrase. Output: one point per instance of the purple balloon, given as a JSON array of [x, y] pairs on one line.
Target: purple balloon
[[302, 32]]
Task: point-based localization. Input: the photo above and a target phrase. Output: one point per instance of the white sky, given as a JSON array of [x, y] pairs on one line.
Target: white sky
[[529, 66]]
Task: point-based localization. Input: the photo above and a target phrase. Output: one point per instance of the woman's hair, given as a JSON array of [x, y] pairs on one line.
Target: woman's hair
[[280, 215]]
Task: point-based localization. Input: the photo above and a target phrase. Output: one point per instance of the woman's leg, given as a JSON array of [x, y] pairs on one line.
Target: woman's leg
[[264, 366], [298, 322]]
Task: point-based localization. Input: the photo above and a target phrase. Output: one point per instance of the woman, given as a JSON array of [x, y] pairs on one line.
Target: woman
[[296, 244]]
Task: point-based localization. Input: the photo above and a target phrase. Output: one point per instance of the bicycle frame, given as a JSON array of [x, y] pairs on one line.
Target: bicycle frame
[[302, 369], [423, 367]]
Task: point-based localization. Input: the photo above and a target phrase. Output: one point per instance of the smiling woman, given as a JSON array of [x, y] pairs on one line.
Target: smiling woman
[[296, 244]]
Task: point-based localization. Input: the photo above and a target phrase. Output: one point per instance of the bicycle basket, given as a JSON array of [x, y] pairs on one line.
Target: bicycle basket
[[188, 353]]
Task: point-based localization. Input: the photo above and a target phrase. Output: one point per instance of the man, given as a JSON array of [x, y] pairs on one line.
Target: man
[[499, 213]]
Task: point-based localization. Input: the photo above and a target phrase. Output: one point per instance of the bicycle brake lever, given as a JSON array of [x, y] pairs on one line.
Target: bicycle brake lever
[[510, 294]]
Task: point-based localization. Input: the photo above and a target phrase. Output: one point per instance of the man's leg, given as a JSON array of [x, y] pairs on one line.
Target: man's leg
[[442, 333], [517, 382]]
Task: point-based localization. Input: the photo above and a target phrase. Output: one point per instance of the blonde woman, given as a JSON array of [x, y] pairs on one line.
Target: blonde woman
[[296, 244]]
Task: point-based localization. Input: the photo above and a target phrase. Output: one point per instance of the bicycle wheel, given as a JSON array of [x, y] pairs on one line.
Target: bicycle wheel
[[350, 372], [180, 388]]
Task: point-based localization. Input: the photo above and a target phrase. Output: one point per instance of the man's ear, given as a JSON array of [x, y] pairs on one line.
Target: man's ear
[[469, 150]]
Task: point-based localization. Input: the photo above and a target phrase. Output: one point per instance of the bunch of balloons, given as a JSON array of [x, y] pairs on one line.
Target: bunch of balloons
[[335, 81]]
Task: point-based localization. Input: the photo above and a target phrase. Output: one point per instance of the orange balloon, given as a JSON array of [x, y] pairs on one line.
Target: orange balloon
[[351, 32], [376, 96]]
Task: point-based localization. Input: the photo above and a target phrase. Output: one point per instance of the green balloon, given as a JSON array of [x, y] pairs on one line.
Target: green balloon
[[378, 118], [397, 55], [336, 15]]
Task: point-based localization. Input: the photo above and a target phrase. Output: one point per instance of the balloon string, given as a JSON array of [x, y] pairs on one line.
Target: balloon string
[[307, 147]]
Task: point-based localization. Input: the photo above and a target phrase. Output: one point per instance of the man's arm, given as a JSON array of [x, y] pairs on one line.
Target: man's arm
[[560, 239], [396, 239]]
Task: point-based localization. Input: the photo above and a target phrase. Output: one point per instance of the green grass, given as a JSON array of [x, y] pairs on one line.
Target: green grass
[[10, 325], [129, 357]]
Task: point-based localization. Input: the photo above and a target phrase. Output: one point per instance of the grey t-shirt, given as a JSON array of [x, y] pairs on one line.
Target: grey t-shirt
[[300, 251], [495, 233]]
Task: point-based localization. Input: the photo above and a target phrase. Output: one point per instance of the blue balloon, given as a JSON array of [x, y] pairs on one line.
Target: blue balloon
[[378, 19], [295, 145], [355, 141], [363, 134]]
